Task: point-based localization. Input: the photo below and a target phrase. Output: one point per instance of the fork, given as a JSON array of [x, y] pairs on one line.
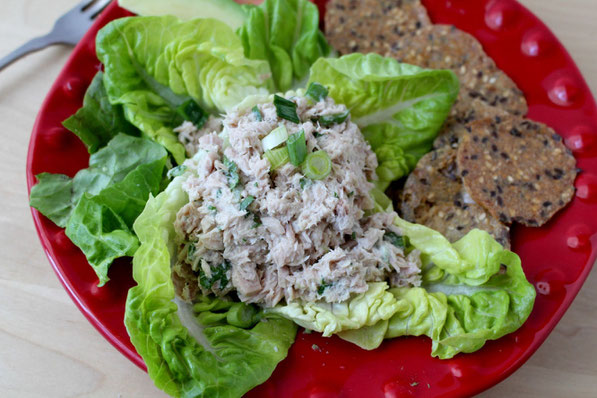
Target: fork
[[68, 29]]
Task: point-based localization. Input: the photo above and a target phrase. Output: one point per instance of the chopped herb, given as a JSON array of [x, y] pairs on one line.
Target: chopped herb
[[305, 182], [353, 236], [286, 109], [257, 114], [176, 171], [398, 241], [317, 92], [336, 195], [315, 347], [329, 120], [190, 252], [191, 111], [246, 202], [317, 135], [212, 208], [414, 384], [324, 285], [218, 275], [256, 221], [350, 194], [244, 240], [231, 173], [297, 148], [256, 185]]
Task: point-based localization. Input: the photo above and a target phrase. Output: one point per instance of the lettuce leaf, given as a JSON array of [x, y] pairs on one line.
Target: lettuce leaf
[[154, 65], [99, 205], [214, 348], [399, 107], [286, 34], [365, 309], [98, 121], [472, 291]]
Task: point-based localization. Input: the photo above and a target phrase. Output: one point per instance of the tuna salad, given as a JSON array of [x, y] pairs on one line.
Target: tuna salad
[[272, 231]]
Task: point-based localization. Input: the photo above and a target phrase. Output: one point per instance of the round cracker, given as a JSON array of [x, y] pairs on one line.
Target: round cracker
[[435, 179], [446, 47], [372, 25], [456, 221], [517, 169], [455, 127]]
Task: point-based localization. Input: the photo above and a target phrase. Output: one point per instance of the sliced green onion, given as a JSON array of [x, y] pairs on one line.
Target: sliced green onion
[[317, 166], [277, 157], [297, 148], [257, 114], [286, 109], [176, 171], [191, 111], [316, 92], [329, 120], [276, 137], [246, 202]]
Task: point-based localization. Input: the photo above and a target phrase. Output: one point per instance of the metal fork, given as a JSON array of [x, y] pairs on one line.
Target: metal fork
[[68, 29]]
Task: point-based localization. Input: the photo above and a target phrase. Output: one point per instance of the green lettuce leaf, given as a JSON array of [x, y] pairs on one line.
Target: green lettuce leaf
[[227, 11], [99, 205], [399, 107], [154, 65], [472, 292], [213, 348], [286, 34], [365, 309], [98, 121]]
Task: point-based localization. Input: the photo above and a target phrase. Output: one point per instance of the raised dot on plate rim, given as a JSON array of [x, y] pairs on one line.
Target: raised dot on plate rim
[[586, 187], [534, 43], [63, 241], [577, 236], [74, 88], [581, 139], [57, 137], [499, 14], [564, 92]]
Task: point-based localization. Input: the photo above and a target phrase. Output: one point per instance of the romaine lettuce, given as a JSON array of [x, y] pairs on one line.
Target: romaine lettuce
[[399, 107], [213, 348], [153, 65], [99, 205], [286, 34]]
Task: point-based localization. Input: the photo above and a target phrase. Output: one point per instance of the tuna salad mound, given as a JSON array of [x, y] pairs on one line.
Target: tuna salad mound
[[273, 235]]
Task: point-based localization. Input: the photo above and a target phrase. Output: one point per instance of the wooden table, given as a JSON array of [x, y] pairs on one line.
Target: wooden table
[[48, 349]]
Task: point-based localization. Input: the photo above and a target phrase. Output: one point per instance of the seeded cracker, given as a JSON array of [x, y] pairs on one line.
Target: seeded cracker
[[445, 47], [455, 127], [435, 179], [372, 25], [454, 222], [433, 195], [517, 169]]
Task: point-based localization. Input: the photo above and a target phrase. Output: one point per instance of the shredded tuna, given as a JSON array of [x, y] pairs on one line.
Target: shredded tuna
[[297, 238]]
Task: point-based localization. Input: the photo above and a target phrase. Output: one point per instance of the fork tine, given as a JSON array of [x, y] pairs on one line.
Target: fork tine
[[83, 4], [94, 9]]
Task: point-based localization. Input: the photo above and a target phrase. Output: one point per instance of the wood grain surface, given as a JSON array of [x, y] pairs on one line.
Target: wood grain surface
[[48, 349]]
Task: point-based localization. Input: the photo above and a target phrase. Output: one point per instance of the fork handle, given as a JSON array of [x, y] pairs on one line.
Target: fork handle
[[32, 45]]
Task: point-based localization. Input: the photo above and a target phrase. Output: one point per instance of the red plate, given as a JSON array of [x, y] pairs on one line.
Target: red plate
[[556, 258]]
